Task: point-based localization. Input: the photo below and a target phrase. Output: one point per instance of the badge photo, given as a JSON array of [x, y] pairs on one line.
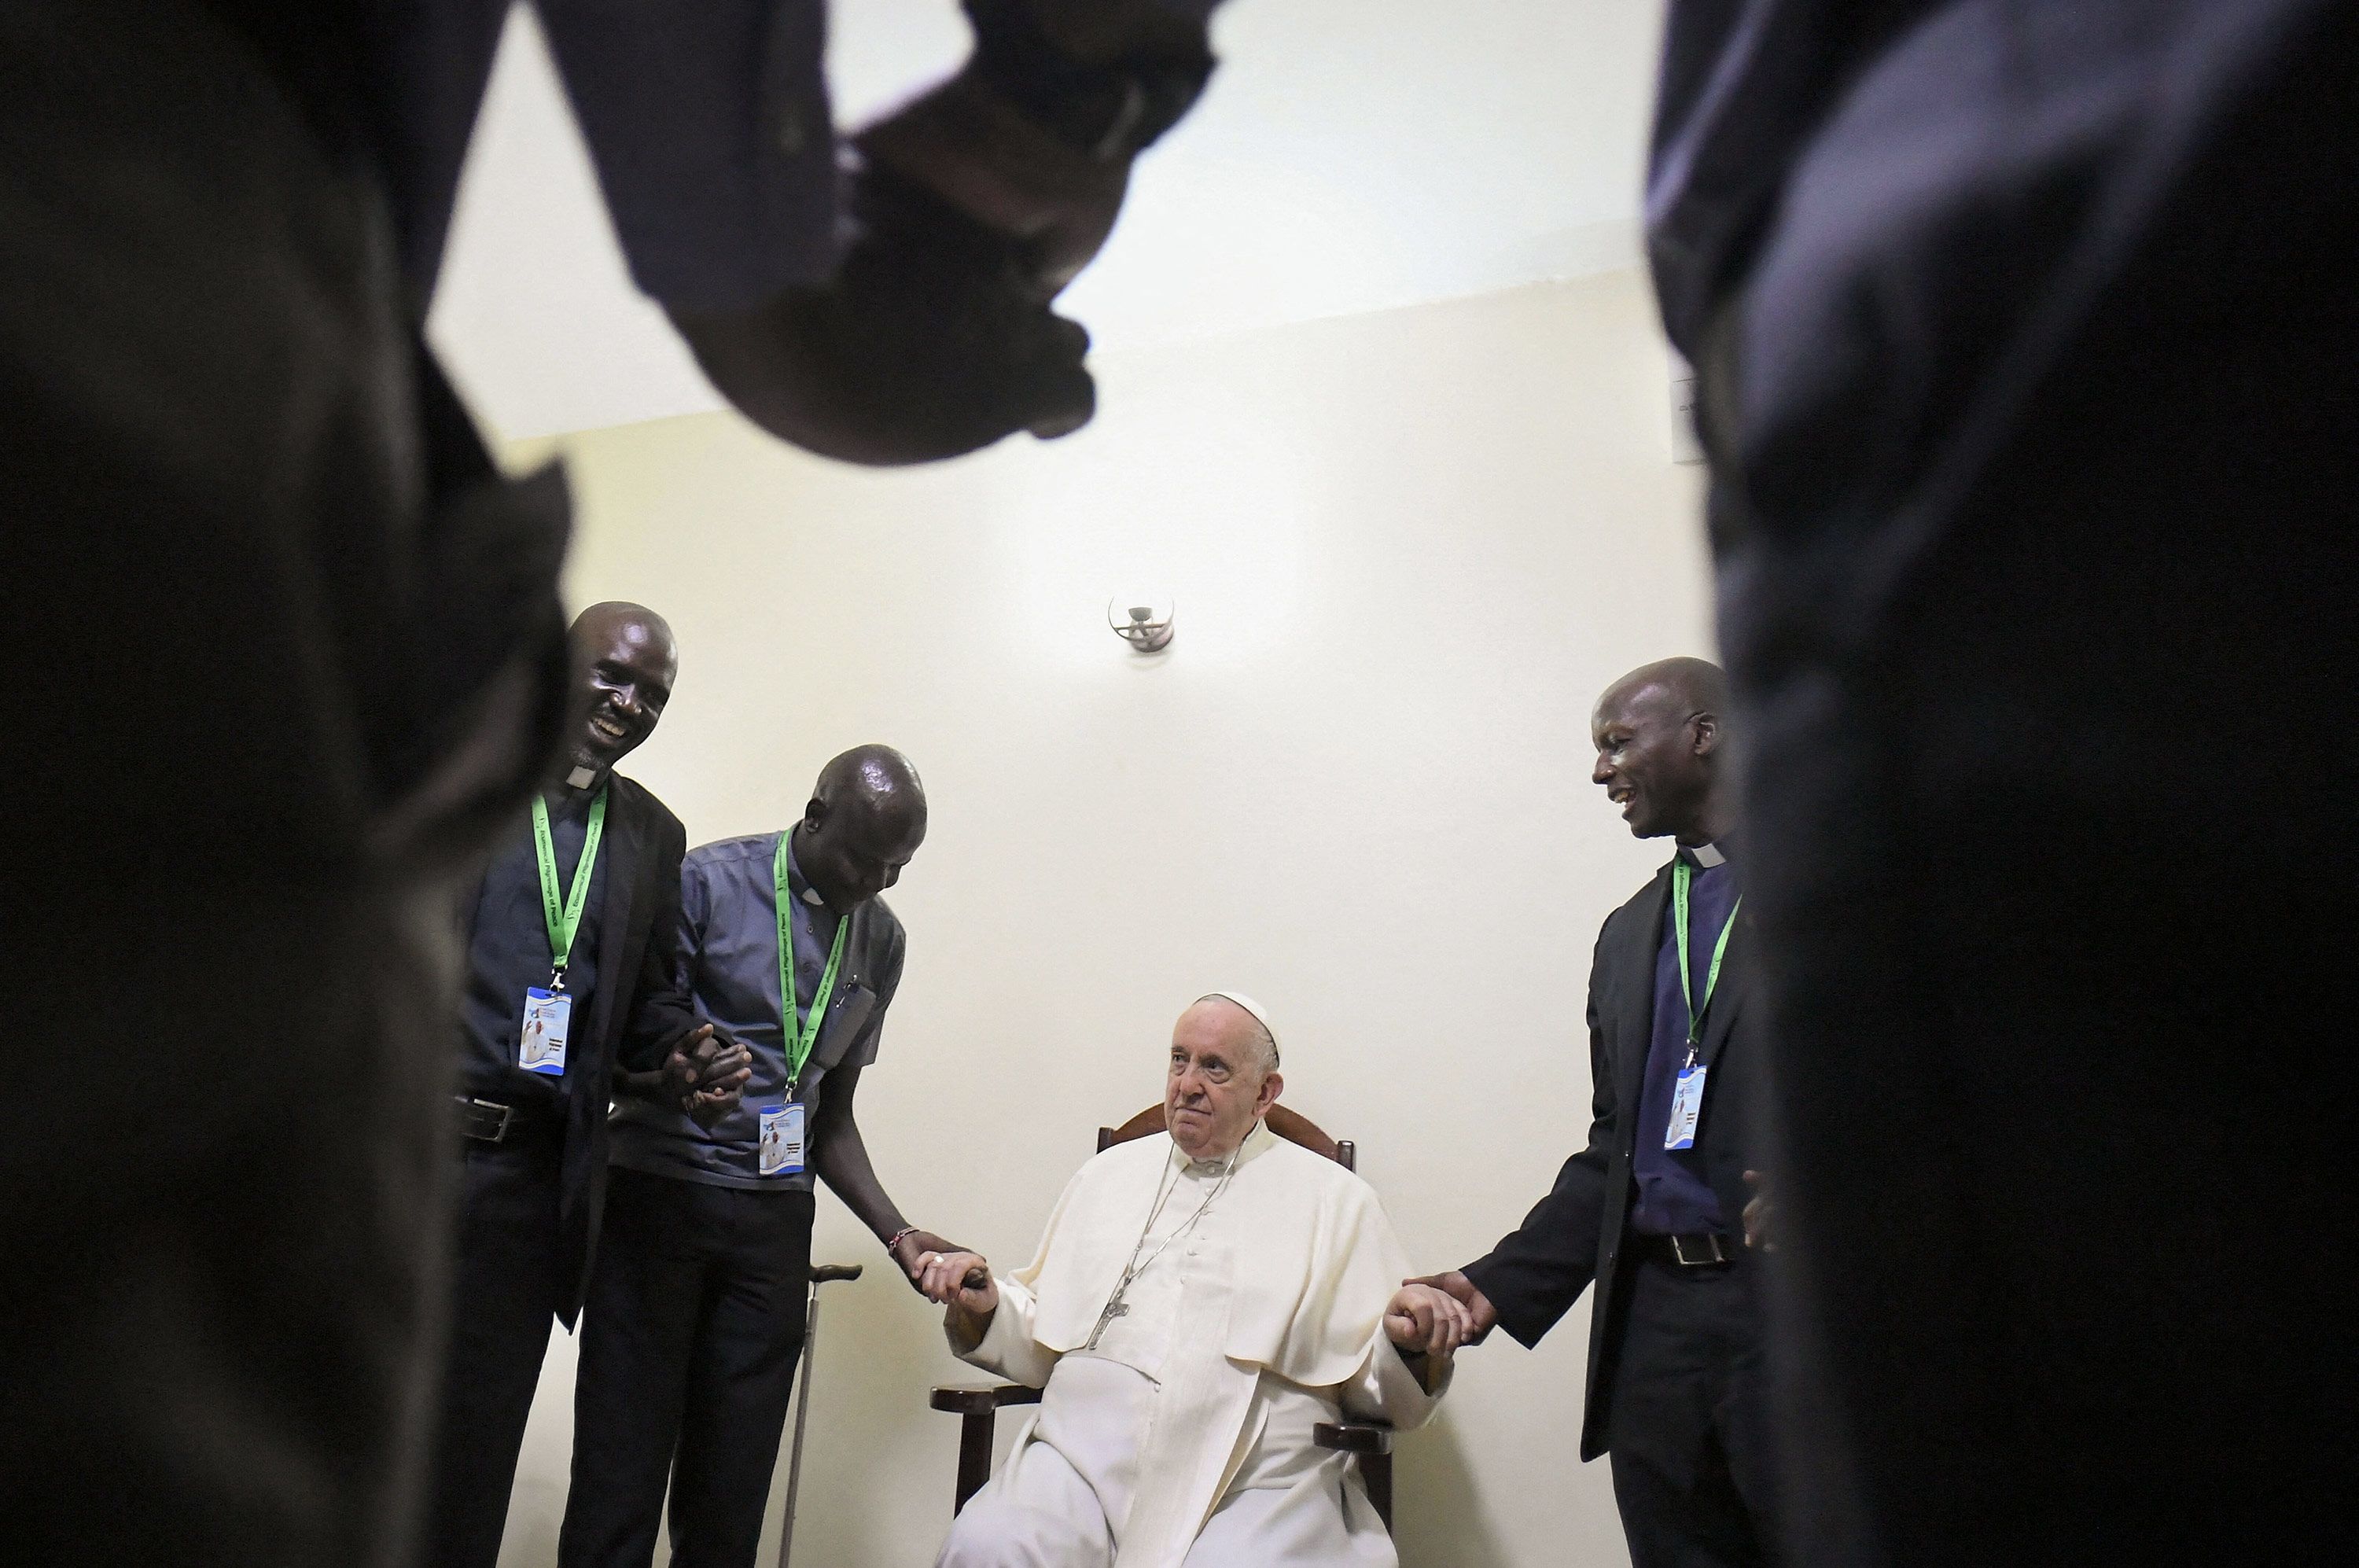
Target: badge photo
[[781, 1148], [540, 1044], [1687, 1108]]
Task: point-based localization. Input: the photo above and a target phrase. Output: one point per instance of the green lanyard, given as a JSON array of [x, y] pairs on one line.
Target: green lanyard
[[563, 915], [801, 1037], [1681, 873]]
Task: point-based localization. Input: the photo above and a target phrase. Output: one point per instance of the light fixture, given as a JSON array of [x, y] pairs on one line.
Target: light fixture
[[1142, 627]]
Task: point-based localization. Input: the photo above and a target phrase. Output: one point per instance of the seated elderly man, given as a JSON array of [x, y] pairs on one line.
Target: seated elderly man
[[1200, 1302]]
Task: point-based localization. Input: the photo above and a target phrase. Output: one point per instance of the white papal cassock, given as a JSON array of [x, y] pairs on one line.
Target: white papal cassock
[[1185, 1434]]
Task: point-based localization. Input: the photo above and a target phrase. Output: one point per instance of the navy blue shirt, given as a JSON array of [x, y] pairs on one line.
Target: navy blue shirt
[[729, 943], [1744, 86], [1673, 1196], [507, 953]]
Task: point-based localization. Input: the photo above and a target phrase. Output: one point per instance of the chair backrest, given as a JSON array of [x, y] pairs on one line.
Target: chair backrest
[[1286, 1124]]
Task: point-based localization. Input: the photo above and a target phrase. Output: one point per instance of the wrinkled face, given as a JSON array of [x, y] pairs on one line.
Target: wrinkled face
[[1651, 760], [851, 851], [623, 675], [1218, 1087]]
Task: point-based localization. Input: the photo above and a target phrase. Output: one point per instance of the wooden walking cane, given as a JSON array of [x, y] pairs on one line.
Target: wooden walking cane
[[824, 1274]]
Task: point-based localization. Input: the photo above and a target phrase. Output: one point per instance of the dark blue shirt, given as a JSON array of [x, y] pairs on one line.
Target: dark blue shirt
[[1744, 84], [1673, 1196], [508, 953], [729, 945]]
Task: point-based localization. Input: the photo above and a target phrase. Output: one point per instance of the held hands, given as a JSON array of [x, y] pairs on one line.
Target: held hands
[[970, 147], [910, 1250], [959, 1279], [969, 215], [1481, 1316], [1424, 1321], [704, 1074], [935, 336]]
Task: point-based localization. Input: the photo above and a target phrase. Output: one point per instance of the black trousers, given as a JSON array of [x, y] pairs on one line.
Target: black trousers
[[1690, 1418], [281, 673], [689, 1344], [507, 1275], [2038, 498]]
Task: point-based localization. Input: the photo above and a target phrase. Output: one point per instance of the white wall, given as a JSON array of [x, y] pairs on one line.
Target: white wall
[[1409, 550]]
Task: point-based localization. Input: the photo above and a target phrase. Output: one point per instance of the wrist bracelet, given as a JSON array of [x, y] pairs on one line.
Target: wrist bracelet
[[898, 1237]]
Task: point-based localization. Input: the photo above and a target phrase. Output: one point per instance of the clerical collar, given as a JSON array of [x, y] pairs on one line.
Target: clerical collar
[[795, 880], [1707, 855]]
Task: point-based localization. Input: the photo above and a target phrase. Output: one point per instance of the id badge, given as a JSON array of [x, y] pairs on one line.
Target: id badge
[[782, 1140], [1687, 1107], [540, 1047]]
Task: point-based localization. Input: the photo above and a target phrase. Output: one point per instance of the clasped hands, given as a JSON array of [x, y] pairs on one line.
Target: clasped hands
[[703, 1076], [951, 1276], [935, 336], [1481, 1316], [1475, 1317]]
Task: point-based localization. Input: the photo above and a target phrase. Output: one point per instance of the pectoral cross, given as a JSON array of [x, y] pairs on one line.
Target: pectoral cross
[[1116, 1307]]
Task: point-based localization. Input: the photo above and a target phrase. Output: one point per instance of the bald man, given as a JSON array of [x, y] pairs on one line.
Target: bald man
[[696, 1309], [1654, 1209], [570, 961]]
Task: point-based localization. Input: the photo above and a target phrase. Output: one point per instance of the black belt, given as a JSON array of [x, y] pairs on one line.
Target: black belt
[[489, 1121], [1704, 1249]]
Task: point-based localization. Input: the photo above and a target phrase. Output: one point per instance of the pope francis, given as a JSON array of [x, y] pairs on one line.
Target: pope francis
[[1200, 1302]]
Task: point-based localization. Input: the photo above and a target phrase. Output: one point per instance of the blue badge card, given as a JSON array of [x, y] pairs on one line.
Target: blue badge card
[[540, 1046], [782, 1140], [1687, 1108]]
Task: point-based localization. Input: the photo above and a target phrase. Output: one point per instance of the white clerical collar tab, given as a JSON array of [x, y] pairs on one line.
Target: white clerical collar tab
[[1708, 856], [806, 893], [580, 778]]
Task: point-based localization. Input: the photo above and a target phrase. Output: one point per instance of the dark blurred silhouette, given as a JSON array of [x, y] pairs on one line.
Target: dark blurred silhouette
[[290, 649], [2030, 371]]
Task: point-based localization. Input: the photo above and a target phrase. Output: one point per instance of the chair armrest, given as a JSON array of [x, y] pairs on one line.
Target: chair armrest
[[1353, 1437], [973, 1399]]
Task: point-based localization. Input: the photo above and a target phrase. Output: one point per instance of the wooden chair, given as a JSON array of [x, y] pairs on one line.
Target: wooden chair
[[977, 1406]]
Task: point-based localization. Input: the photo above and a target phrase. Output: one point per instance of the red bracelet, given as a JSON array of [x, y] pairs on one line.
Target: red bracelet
[[898, 1237]]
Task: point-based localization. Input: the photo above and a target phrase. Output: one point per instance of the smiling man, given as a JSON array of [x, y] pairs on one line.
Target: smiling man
[[569, 963], [696, 1311], [1202, 1301], [1651, 1210]]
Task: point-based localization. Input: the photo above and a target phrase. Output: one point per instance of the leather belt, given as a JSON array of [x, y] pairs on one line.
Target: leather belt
[[1705, 1249], [489, 1121]]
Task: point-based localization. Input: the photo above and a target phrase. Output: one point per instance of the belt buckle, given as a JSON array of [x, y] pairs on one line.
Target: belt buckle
[[1716, 1252], [498, 1134]]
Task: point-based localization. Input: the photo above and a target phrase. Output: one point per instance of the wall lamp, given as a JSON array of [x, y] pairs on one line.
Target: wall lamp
[[1142, 629]]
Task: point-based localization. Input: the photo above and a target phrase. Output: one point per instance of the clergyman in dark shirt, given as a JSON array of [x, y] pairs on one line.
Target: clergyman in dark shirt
[[696, 1311], [571, 961], [1657, 1210]]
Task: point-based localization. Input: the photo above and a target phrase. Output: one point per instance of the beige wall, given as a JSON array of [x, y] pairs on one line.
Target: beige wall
[[1409, 550]]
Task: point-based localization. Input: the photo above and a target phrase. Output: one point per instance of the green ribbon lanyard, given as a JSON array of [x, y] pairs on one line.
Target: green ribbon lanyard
[[563, 915], [1680, 873], [801, 1037]]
